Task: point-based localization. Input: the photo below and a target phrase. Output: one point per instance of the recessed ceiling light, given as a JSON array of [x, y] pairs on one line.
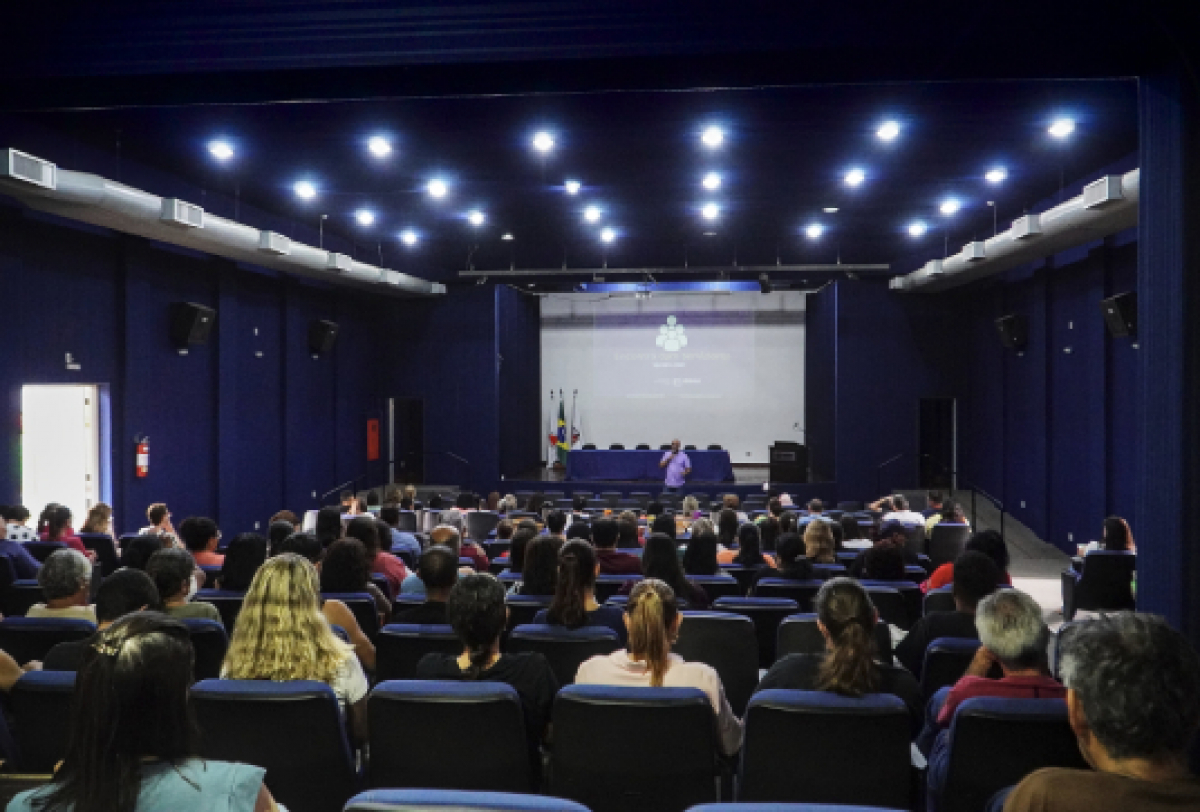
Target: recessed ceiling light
[[543, 142], [608, 235], [379, 146], [408, 237], [572, 187], [506, 237], [855, 176], [949, 206], [365, 217], [814, 231], [888, 130], [592, 214], [712, 137], [712, 181], [475, 217], [917, 228], [831, 209], [437, 188], [997, 175], [304, 190], [1062, 127], [221, 150], [710, 234], [710, 211]]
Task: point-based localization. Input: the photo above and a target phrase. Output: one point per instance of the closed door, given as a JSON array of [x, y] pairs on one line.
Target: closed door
[[60, 448]]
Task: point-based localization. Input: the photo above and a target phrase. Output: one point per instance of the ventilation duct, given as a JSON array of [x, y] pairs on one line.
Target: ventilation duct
[[102, 202], [1106, 206]]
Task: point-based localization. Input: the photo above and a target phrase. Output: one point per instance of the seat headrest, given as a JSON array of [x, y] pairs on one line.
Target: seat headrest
[[429, 800], [611, 695], [992, 707], [420, 689], [203, 625], [541, 631], [756, 603], [47, 624], [63, 681], [437, 630], [828, 702], [258, 689]]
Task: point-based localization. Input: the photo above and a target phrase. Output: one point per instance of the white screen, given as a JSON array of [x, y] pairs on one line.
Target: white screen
[[724, 369]]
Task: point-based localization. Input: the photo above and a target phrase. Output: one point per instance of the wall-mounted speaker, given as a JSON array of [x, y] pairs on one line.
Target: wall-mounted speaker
[[191, 323], [321, 336], [1014, 331], [1120, 314]]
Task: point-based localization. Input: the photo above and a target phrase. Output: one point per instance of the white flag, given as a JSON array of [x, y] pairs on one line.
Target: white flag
[[551, 434]]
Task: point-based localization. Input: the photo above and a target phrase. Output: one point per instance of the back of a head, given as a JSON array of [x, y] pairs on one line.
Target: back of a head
[[364, 529], [304, 545], [975, 577], [934, 498], [627, 530], [156, 513], [1116, 534], [276, 533], [579, 502], [899, 502], [476, 610], [466, 501], [991, 544], [504, 530], [884, 562], [774, 506], [447, 536], [605, 533], [689, 505], [846, 612], [850, 528], [438, 567], [700, 557], [130, 705], [525, 533], [286, 516], [731, 501], [664, 524], [788, 548], [749, 546], [835, 529], [18, 513], [1138, 681], [329, 525], [655, 508], [580, 530], [171, 570], [727, 526], [535, 503], [787, 521], [651, 616], [576, 579], [1010, 626], [818, 542], [768, 530], [556, 521], [64, 574], [139, 549], [197, 531], [125, 591], [389, 514], [660, 560], [816, 506], [540, 573], [345, 567], [245, 554]]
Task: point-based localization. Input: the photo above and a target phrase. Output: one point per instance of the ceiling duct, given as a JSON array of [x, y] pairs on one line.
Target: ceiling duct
[[99, 201], [1107, 205]]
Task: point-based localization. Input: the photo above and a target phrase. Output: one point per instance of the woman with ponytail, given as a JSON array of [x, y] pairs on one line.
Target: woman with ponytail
[[653, 618], [133, 742], [574, 604], [848, 666], [477, 612]]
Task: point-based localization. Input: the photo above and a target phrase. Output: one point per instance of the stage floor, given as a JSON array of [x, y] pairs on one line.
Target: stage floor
[[742, 475]]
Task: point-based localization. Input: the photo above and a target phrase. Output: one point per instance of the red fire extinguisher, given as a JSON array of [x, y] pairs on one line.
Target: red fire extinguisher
[[143, 457]]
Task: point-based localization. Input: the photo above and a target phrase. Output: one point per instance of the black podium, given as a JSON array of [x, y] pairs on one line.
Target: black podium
[[789, 462]]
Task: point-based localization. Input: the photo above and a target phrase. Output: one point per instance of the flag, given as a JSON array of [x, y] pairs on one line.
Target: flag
[[552, 433], [574, 420], [562, 431]]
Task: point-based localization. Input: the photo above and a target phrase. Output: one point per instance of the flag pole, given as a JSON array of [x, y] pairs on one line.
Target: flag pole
[[571, 429]]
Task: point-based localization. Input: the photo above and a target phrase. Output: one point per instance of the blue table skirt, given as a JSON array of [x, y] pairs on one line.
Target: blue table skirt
[[629, 466]]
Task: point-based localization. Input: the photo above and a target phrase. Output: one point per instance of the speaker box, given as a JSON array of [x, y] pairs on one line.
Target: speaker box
[[321, 336], [788, 462], [1014, 331], [1120, 314], [191, 323]]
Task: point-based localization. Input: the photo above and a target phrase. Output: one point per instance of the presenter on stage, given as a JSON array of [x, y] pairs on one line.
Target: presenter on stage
[[678, 467]]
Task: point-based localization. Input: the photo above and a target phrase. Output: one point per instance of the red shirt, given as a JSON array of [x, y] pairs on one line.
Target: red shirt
[[68, 538], [208, 559], [392, 568], [615, 562], [1005, 688], [475, 553]]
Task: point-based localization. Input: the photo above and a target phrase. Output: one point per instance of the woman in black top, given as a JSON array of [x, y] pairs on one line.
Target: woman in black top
[[750, 548], [525, 533], [540, 571], [790, 561], [851, 529], [246, 553], [700, 557], [664, 524], [661, 560], [727, 528], [574, 604], [329, 525]]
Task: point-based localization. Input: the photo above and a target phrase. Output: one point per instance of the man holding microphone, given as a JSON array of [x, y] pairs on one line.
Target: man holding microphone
[[678, 467]]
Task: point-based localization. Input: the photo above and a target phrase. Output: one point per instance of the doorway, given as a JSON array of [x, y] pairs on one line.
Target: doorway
[[61, 435], [407, 431], [937, 443]]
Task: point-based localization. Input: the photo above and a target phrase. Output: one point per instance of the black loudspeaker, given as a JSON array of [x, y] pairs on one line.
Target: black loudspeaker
[[191, 323], [1014, 331], [321, 336], [789, 462], [1120, 314]]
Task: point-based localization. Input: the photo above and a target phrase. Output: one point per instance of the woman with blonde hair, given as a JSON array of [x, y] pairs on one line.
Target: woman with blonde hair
[[818, 543], [99, 520], [653, 618], [281, 635]]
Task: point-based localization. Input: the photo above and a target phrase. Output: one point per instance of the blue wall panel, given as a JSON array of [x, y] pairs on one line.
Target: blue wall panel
[[820, 385], [519, 348]]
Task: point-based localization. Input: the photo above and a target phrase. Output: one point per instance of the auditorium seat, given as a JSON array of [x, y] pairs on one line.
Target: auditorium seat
[[994, 743], [589, 446], [644, 447], [718, 586], [799, 634], [210, 642], [40, 702], [611, 752], [767, 614], [427, 800], [946, 660], [850, 506], [665, 447], [293, 730], [480, 524], [939, 600], [228, 603], [815, 747], [611, 498], [565, 649], [743, 575], [826, 571], [41, 550], [211, 573], [914, 538], [891, 599], [29, 638], [715, 447], [727, 642], [946, 542], [522, 608], [428, 734], [1104, 584], [802, 592], [408, 522], [20, 595], [616, 447], [609, 585], [104, 548], [400, 646], [641, 497], [915, 573], [363, 607], [687, 447]]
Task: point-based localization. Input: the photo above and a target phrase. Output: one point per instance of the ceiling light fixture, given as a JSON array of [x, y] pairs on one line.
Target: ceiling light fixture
[[949, 207], [408, 237], [712, 181], [712, 137], [592, 214], [543, 142], [608, 235], [572, 187], [887, 131], [221, 150], [917, 229], [379, 146], [855, 177], [475, 217], [365, 217], [814, 231], [304, 190], [831, 209], [437, 188], [1061, 127], [710, 211], [506, 237], [997, 175]]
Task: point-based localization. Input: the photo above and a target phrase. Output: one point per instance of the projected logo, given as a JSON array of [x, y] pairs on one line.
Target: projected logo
[[670, 336]]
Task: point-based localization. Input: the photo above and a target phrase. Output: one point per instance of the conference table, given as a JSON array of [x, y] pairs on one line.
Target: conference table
[[632, 466]]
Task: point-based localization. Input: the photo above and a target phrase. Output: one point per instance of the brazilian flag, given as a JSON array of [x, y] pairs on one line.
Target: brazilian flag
[[562, 433]]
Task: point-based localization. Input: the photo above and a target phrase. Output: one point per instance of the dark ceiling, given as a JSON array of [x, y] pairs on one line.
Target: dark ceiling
[[640, 159]]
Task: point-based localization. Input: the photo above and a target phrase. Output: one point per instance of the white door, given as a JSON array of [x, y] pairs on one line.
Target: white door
[[60, 448]]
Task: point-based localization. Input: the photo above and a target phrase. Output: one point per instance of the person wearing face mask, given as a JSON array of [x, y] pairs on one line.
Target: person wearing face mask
[[172, 572]]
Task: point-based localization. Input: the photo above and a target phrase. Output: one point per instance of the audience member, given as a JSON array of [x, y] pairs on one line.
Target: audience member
[[580, 529], [15, 522], [122, 592], [345, 569], [727, 530], [574, 604], [58, 528], [818, 543], [987, 542], [245, 554], [477, 612], [975, 577], [139, 549], [286, 516], [950, 513], [883, 562], [664, 524], [730, 501], [467, 548], [901, 513], [525, 533], [540, 573], [690, 507], [933, 501], [605, 534], [304, 545], [891, 534], [442, 535], [850, 665], [535, 504], [768, 530], [281, 636], [466, 500], [700, 556], [329, 525], [399, 541], [99, 519], [653, 619], [787, 522], [1116, 537], [749, 552], [201, 536], [661, 561], [173, 573], [159, 517], [438, 567], [12, 548], [556, 521], [851, 530], [372, 532], [1133, 700], [627, 530], [66, 580], [504, 530], [791, 561], [276, 533], [132, 742]]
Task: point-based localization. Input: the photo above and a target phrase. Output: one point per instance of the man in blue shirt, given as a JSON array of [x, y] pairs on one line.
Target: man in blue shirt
[[678, 467], [400, 541]]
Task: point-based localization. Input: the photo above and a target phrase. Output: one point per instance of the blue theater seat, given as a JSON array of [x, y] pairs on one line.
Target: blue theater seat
[[522, 608], [939, 600], [771, 807], [21, 594], [210, 642], [429, 800], [727, 642], [946, 660], [41, 714], [802, 592], [767, 614], [415, 724], [293, 730], [565, 649], [41, 550], [609, 585], [363, 607], [1105, 583], [718, 586], [29, 638], [228, 603], [612, 754], [819, 747], [400, 646], [104, 548]]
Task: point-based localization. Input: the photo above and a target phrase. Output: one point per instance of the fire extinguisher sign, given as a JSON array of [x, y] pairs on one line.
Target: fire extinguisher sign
[[143, 456], [372, 440]]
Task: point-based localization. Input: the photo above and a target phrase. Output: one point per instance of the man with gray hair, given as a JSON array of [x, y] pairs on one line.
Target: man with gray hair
[[469, 549], [1133, 701], [444, 535], [66, 580]]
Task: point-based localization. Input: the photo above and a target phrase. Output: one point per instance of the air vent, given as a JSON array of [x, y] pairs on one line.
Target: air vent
[[182, 213], [973, 251], [897, 283], [1025, 227], [273, 243], [1102, 192], [19, 166], [339, 262]]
